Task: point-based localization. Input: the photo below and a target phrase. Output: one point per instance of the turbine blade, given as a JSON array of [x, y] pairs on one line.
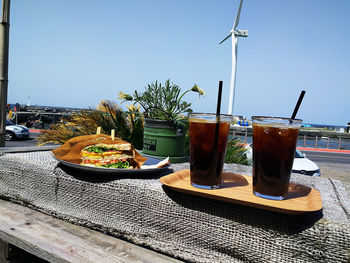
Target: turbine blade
[[226, 38], [238, 15]]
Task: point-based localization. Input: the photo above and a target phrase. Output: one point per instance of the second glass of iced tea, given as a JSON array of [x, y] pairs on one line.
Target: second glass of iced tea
[[274, 144], [208, 139]]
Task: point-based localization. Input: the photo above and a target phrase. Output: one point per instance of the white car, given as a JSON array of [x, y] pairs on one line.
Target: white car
[[15, 131], [301, 164]]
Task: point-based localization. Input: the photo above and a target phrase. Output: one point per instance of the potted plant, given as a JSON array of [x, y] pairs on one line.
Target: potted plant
[[165, 123]]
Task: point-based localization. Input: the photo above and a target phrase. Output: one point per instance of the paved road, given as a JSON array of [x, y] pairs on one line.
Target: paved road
[[22, 142], [329, 157], [29, 142], [332, 165]]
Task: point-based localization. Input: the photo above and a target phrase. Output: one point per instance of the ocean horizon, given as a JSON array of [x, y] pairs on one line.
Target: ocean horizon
[[313, 125]]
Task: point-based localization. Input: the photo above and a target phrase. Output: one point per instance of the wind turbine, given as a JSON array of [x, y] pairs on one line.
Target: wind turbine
[[235, 34]]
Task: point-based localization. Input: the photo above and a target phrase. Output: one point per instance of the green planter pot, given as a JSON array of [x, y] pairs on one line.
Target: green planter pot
[[161, 140]]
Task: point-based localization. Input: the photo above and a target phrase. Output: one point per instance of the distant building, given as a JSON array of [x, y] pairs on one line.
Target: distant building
[[305, 125]]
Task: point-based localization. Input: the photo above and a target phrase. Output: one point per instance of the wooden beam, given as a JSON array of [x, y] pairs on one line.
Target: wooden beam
[[59, 241], [4, 61], [3, 251]]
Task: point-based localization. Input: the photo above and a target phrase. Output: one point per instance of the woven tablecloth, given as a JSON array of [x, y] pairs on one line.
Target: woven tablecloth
[[190, 228]]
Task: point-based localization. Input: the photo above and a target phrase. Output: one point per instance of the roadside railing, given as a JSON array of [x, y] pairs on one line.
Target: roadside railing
[[303, 141], [324, 142]]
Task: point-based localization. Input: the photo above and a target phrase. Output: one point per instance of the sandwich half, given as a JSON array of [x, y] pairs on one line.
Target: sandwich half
[[111, 154]]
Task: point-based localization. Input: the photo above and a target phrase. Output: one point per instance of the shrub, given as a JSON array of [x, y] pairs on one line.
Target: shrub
[[108, 115], [236, 152], [163, 102]]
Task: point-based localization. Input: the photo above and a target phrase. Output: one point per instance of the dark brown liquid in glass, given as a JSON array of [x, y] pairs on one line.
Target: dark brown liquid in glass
[[273, 156], [206, 158]]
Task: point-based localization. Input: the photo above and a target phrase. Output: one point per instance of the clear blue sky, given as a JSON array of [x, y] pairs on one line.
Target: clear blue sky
[[78, 52]]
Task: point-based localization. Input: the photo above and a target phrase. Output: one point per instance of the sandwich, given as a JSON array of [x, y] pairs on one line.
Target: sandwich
[[70, 150], [100, 151], [112, 154]]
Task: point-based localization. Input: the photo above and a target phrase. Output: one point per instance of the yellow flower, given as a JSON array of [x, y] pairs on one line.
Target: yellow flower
[[132, 108], [124, 96], [196, 88]]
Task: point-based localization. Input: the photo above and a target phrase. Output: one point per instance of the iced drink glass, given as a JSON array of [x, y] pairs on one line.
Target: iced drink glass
[[208, 139], [274, 144]]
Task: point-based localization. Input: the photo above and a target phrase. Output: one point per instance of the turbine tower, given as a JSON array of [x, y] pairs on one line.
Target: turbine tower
[[235, 34]]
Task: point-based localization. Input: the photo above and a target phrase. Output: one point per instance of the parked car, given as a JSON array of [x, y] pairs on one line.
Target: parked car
[[14, 131], [301, 164]]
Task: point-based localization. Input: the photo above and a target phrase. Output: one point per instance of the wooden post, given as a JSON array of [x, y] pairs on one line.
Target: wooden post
[[4, 59], [328, 143], [339, 143], [316, 142], [3, 251]]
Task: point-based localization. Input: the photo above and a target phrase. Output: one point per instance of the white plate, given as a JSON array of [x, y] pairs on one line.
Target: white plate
[[104, 170]]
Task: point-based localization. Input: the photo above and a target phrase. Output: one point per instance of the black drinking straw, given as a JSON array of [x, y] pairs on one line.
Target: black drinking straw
[[217, 129], [218, 105], [298, 104]]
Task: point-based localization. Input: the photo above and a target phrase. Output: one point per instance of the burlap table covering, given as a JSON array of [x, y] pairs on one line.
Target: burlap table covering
[[194, 229]]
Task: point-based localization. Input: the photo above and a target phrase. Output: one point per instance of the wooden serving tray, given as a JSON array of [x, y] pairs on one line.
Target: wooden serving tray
[[238, 189]]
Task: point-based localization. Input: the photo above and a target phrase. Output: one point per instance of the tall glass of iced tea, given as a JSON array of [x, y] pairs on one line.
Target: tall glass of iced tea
[[274, 144], [208, 139]]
